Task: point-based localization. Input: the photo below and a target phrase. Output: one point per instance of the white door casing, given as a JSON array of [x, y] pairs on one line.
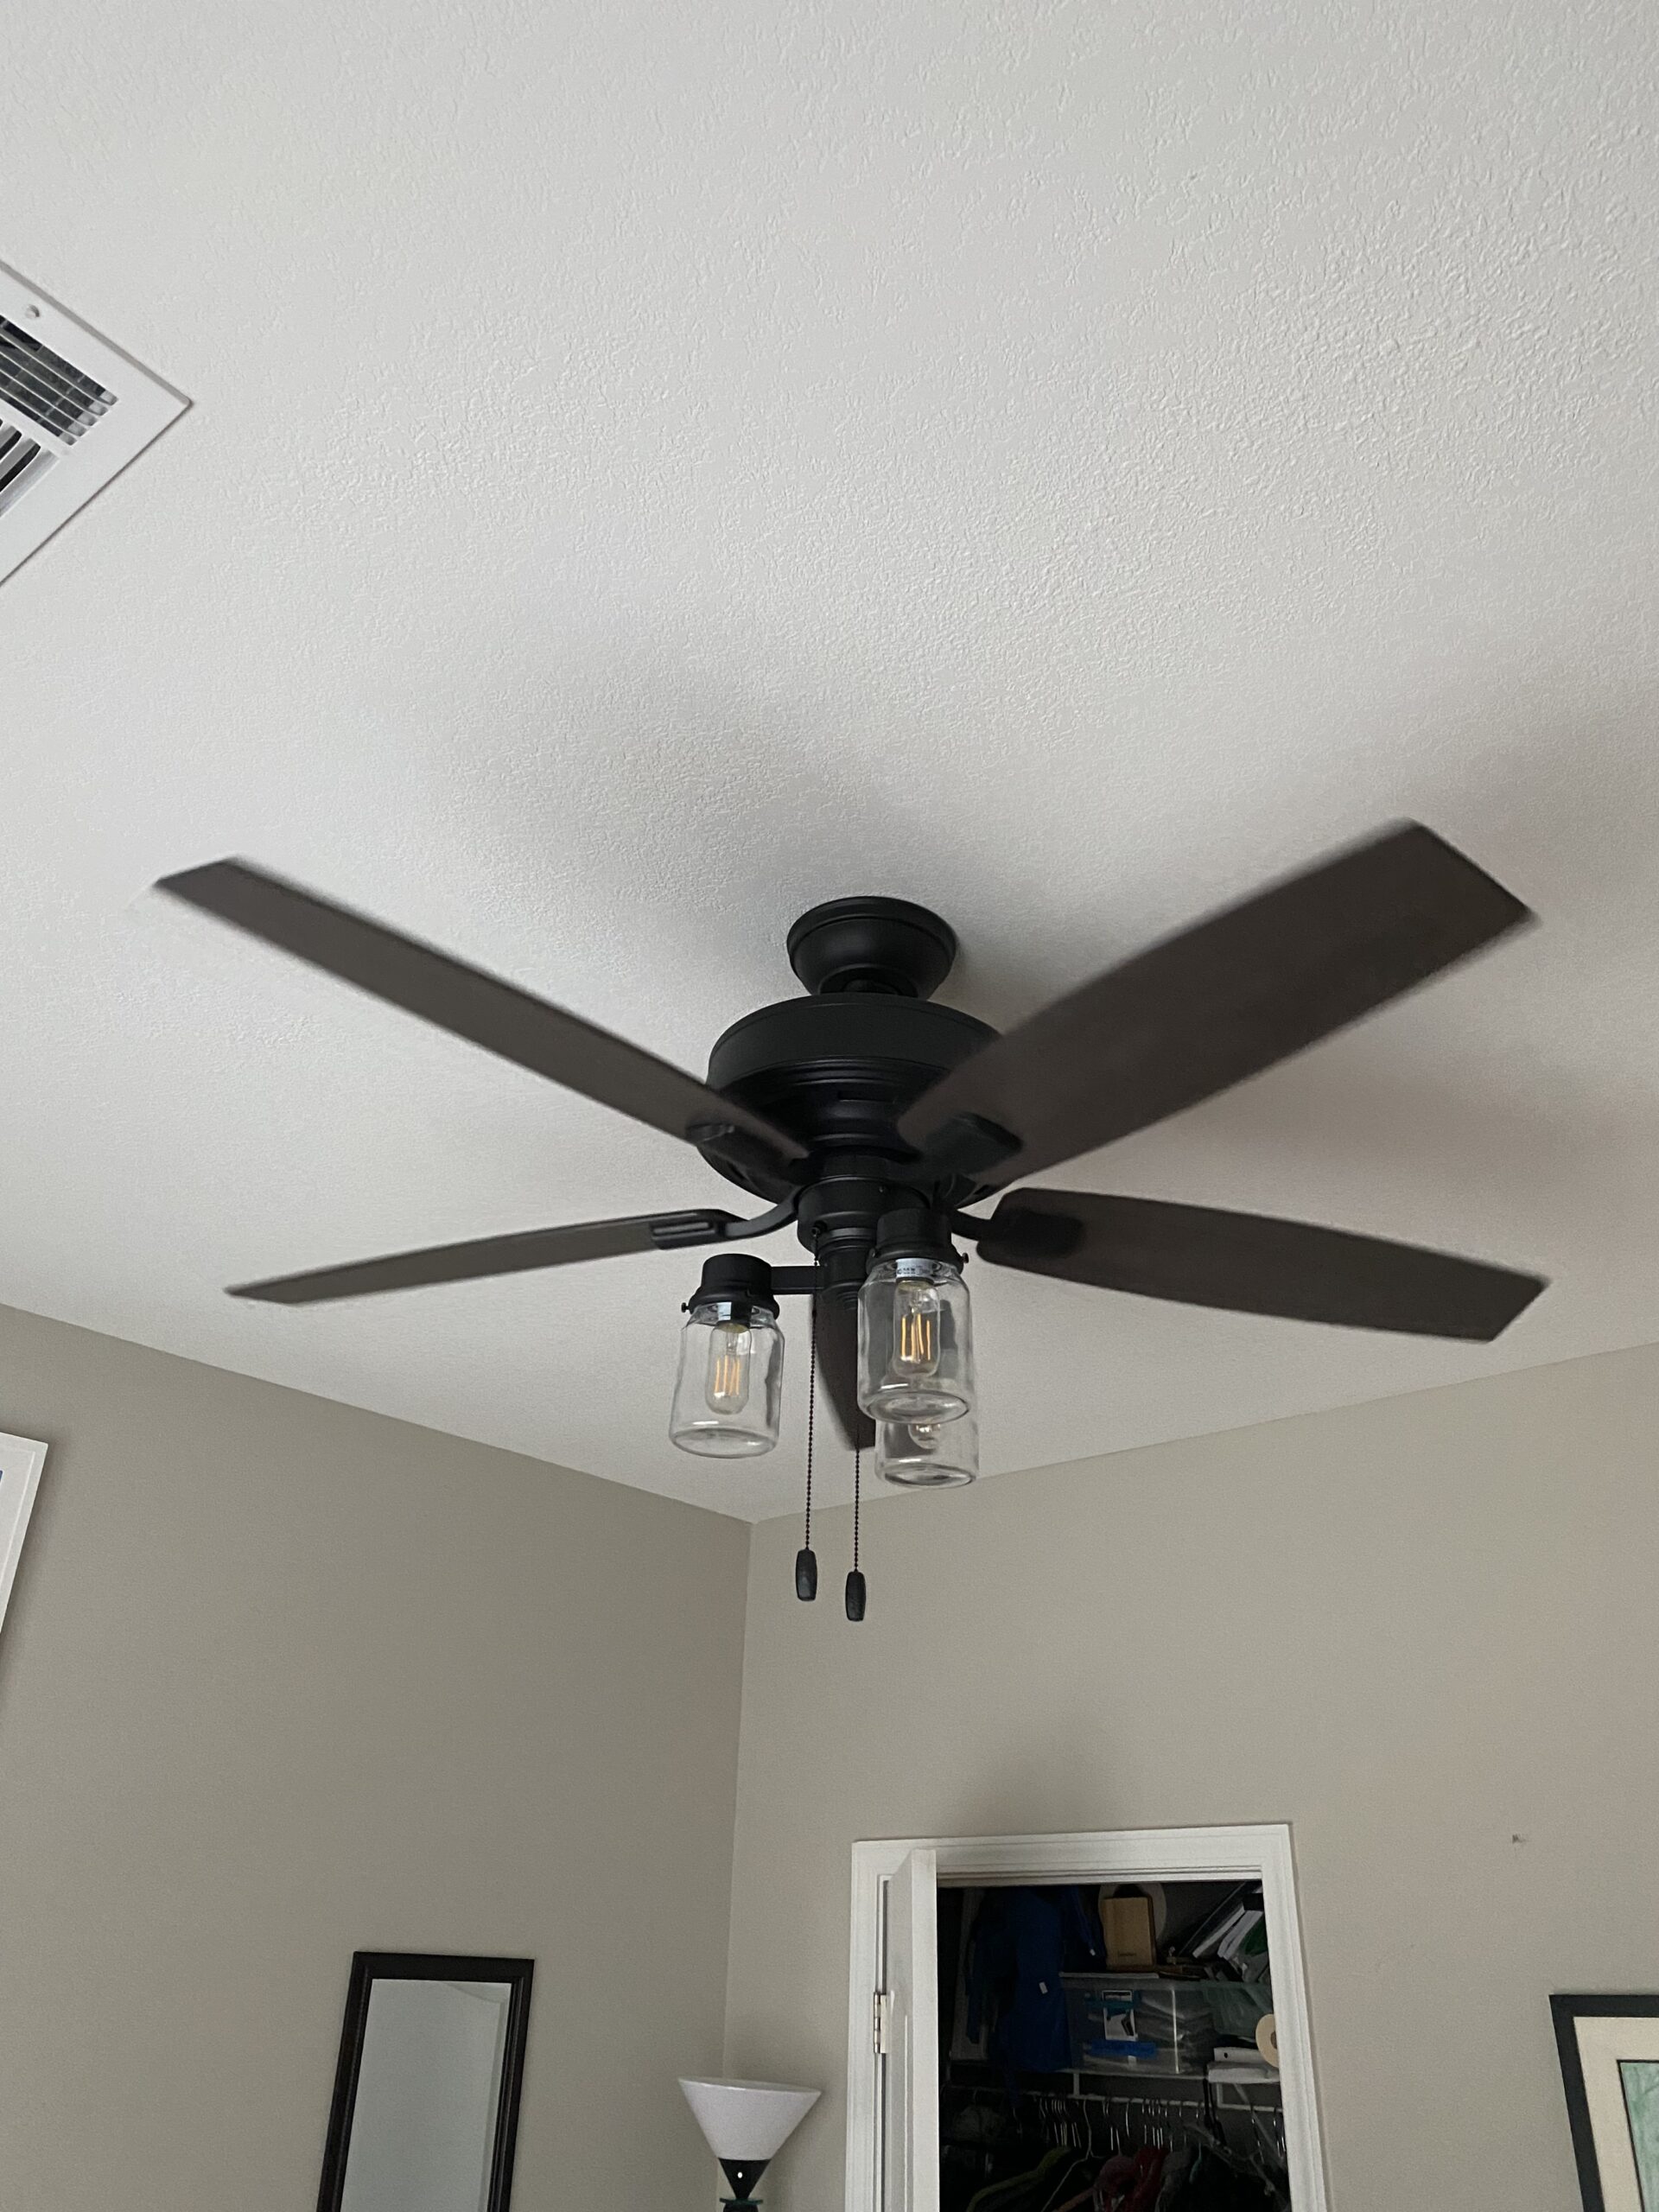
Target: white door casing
[[906, 2027], [883, 2100]]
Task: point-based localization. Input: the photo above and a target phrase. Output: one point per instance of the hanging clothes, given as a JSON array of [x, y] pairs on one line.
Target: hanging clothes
[[1176, 2167], [1021, 1942], [1218, 2183], [1018, 2194]]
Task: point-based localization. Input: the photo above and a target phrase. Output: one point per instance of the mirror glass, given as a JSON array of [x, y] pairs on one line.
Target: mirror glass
[[428, 2089]]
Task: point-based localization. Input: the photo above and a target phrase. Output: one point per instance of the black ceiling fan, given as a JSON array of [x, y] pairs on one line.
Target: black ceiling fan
[[873, 1118]]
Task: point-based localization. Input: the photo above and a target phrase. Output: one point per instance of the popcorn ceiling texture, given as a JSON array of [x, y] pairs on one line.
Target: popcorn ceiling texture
[[652, 468]]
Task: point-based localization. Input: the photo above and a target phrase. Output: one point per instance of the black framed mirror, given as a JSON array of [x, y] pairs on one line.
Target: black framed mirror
[[425, 2111]]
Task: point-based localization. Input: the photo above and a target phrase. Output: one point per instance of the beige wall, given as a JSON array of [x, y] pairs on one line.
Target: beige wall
[[1424, 1631], [281, 1680]]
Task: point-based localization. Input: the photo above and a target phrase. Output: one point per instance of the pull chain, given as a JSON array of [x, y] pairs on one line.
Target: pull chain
[[806, 1564], [856, 1591], [858, 1493]]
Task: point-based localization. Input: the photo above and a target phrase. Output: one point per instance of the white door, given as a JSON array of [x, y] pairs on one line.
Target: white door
[[910, 2071]]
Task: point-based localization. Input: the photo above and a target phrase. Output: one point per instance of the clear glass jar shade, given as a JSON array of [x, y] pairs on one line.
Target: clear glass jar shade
[[730, 1386], [928, 1455], [915, 1342]]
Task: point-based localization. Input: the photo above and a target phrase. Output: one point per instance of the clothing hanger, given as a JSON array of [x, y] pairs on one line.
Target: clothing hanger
[[1083, 2161], [1007, 2192], [1212, 2144]]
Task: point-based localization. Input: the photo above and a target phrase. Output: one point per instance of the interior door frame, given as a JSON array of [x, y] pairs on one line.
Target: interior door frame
[[1262, 1853]]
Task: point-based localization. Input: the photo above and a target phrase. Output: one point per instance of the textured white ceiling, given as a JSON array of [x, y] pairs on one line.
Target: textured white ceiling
[[652, 467]]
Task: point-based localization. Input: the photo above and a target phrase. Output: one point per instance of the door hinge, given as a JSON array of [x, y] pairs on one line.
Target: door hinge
[[882, 2021]]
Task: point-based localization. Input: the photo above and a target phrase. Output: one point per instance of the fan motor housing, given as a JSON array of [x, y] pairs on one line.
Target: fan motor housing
[[836, 1070]]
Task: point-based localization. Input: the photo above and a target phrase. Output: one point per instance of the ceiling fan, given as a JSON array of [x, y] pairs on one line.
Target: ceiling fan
[[872, 1119]]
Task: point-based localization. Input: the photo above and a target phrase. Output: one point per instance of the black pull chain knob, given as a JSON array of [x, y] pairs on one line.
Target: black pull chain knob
[[806, 1574], [855, 1595]]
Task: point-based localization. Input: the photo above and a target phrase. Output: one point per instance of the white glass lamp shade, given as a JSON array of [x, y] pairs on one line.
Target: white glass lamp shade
[[749, 2122], [915, 1341], [928, 1455], [730, 1387]]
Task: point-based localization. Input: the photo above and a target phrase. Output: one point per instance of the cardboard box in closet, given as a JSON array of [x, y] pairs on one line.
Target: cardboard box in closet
[[1126, 1923]]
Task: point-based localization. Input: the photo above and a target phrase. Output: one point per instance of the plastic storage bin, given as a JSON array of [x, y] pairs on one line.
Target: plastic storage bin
[[1236, 2006], [1138, 2023]]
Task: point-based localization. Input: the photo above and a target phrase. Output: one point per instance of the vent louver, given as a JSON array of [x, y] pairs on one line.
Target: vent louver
[[40, 383], [21, 462], [73, 412]]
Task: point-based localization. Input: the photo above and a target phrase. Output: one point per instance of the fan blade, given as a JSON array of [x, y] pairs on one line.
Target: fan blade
[[1225, 999], [480, 1008], [489, 1255], [1252, 1263], [835, 1322]]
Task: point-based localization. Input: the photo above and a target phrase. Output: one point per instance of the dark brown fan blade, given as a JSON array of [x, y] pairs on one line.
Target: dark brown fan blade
[[836, 1322], [487, 1255], [481, 1008], [1224, 999], [1252, 1263]]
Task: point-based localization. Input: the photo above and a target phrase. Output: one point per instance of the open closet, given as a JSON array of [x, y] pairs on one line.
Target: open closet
[[1107, 2048], [1111, 2022]]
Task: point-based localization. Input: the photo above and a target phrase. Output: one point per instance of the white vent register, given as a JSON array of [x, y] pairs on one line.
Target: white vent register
[[73, 412]]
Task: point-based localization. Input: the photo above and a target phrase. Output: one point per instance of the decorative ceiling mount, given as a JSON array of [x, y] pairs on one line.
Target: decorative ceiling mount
[[872, 1119], [886, 945]]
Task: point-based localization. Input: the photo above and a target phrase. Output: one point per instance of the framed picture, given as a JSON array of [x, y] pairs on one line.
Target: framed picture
[[1610, 2063], [21, 1461]]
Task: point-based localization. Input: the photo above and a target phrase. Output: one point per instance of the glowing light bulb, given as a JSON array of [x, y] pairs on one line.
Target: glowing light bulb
[[731, 1358], [915, 1334], [915, 1328], [728, 1393]]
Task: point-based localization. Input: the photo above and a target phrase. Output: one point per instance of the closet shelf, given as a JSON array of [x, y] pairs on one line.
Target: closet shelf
[[964, 2074]]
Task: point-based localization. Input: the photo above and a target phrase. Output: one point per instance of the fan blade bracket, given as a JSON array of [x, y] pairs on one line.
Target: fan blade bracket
[[759, 1162], [674, 1232], [967, 1144], [1017, 1233]]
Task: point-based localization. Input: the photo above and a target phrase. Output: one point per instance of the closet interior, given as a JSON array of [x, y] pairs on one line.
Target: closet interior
[[1109, 2048]]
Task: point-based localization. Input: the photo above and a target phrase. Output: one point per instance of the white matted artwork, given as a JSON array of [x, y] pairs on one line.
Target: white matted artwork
[[21, 1460], [1609, 2066]]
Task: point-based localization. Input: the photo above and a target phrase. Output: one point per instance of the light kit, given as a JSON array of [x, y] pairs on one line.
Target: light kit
[[915, 1330], [928, 1454], [730, 1387]]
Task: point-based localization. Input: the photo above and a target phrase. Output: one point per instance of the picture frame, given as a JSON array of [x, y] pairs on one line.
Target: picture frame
[[1608, 2048], [22, 1459]]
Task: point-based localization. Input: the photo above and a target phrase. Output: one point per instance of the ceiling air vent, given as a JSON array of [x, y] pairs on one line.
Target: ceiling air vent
[[73, 412]]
